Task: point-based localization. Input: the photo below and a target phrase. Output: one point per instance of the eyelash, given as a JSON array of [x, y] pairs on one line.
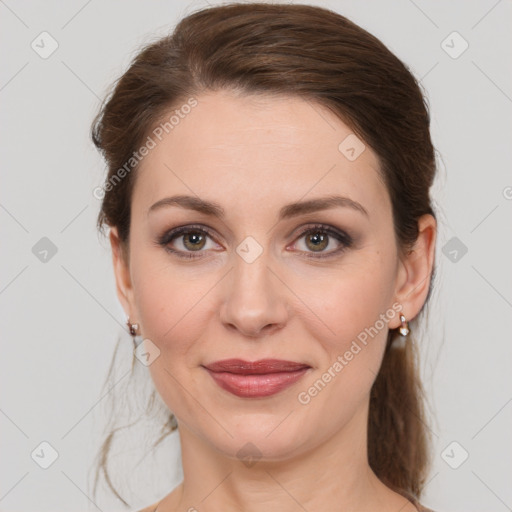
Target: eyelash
[[340, 236]]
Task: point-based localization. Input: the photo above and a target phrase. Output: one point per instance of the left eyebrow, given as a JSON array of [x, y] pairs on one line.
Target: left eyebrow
[[321, 203], [288, 211]]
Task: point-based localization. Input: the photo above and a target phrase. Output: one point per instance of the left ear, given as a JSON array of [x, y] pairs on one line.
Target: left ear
[[415, 269]]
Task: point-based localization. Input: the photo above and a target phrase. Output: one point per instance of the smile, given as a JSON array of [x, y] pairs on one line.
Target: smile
[[257, 379]]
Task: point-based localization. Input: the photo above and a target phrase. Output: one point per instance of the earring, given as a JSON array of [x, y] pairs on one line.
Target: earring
[[132, 328], [404, 327]]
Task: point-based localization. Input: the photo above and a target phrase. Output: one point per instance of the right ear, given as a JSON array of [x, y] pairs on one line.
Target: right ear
[[121, 266]]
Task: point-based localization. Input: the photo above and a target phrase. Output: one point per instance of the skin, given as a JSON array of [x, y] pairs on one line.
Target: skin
[[253, 155]]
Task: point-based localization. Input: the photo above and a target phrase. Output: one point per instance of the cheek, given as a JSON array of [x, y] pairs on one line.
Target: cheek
[[171, 308], [169, 304], [354, 313], [349, 302]]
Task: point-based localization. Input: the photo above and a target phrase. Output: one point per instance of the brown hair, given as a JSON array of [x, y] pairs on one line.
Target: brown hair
[[320, 56]]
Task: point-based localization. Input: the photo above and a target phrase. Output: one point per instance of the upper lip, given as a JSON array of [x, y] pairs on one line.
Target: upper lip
[[255, 367]]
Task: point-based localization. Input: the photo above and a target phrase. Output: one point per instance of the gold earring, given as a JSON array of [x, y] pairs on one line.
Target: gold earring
[[404, 327]]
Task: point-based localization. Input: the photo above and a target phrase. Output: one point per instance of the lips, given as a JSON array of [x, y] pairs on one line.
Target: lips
[[241, 367], [256, 379]]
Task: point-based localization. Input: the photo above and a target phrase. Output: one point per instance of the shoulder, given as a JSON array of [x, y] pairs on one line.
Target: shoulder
[[421, 508], [414, 501], [150, 508]]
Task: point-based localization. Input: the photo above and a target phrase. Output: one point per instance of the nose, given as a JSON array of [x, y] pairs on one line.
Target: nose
[[255, 300]]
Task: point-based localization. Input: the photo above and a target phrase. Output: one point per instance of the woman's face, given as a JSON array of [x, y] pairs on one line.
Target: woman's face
[[261, 281]]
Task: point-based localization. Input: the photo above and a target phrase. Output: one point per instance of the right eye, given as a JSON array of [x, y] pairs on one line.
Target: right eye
[[191, 238]]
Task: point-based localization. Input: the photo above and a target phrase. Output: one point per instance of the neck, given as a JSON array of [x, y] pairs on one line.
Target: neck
[[333, 475]]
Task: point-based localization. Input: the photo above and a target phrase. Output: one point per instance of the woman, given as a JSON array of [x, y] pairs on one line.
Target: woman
[[272, 237]]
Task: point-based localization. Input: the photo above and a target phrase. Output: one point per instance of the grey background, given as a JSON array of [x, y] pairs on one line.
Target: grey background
[[61, 318]]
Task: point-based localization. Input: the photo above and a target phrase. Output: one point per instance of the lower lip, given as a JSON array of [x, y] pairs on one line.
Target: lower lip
[[256, 386]]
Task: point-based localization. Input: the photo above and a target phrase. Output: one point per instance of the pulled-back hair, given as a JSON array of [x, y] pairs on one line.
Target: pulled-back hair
[[320, 56]]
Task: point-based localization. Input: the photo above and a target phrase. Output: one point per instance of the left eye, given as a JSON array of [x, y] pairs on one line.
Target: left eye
[[318, 238], [194, 239]]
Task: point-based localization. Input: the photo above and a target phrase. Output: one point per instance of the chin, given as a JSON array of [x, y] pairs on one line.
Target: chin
[[264, 439]]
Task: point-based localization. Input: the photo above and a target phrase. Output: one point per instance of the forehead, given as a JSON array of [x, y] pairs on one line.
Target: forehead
[[266, 148]]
